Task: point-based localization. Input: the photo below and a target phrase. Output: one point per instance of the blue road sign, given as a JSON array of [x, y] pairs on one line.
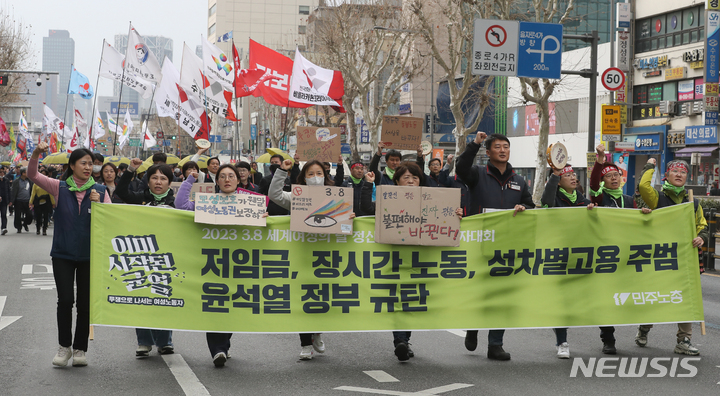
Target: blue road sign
[[540, 50], [253, 132], [215, 139]]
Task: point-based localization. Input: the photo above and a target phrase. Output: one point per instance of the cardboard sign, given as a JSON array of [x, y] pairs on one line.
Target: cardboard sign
[[230, 209], [321, 209], [322, 144], [402, 133], [207, 188], [417, 216]]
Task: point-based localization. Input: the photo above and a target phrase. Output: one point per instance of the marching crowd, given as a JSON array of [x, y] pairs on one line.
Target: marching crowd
[[63, 195]]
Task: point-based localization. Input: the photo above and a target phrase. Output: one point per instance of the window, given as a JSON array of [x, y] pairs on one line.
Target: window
[[671, 29], [212, 9], [304, 10], [301, 29], [211, 30]]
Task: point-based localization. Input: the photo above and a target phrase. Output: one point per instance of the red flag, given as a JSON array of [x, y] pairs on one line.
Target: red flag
[[204, 132], [4, 135], [247, 80], [276, 91]]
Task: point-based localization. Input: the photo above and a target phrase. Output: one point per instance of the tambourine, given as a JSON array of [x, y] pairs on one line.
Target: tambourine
[[557, 155], [426, 147], [202, 143]]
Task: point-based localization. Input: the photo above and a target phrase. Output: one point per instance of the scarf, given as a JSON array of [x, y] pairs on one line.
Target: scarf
[[572, 197], [159, 197], [356, 181], [389, 172], [676, 193], [615, 193], [73, 186]]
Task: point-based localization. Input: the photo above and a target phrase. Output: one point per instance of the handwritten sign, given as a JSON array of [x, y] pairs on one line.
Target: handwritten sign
[[322, 144], [402, 133], [417, 216], [230, 209], [207, 188], [321, 209]]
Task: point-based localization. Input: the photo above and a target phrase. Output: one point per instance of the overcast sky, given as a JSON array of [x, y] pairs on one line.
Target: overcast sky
[[91, 21]]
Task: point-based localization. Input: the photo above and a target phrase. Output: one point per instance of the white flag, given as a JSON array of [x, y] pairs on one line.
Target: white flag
[[140, 60], [217, 65], [23, 127], [82, 129], [54, 124], [72, 144], [148, 139], [172, 101], [98, 128], [315, 85], [209, 91], [126, 130], [113, 127], [111, 67]]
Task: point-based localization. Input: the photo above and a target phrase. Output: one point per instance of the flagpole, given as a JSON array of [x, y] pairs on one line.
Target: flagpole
[[65, 112], [235, 145], [207, 122], [92, 116], [177, 115], [142, 138], [122, 82]]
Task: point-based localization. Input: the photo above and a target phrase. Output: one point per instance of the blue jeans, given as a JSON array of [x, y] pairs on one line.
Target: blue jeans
[[560, 335], [495, 337], [159, 338]]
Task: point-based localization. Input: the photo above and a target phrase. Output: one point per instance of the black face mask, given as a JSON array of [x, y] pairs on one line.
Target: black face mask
[[273, 168]]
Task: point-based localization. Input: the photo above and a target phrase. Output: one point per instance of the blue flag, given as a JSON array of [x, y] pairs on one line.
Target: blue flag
[[225, 37], [79, 84]]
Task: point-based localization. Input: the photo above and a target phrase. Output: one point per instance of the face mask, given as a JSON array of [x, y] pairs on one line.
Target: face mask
[[315, 181], [274, 167], [96, 168]]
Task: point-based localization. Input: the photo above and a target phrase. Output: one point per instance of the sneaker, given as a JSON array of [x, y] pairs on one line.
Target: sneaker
[[166, 350], [496, 352], [401, 351], [563, 351], [410, 351], [609, 348], [4, 231], [306, 353], [684, 347], [79, 358], [641, 337], [219, 359], [143, 350], [318, 344], [63, 355], [471, 340], [37, 232]]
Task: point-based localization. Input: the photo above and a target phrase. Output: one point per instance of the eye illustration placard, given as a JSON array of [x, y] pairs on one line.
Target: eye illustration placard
[[321, 209]]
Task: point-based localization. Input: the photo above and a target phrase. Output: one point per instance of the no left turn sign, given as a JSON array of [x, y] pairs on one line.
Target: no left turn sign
[[613, 78]]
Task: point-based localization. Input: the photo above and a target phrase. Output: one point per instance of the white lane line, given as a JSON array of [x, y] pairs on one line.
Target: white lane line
[[370, 390], [381, 376], [184, 376], [6, 321], [27, 269], [446, 388], [459, 333]]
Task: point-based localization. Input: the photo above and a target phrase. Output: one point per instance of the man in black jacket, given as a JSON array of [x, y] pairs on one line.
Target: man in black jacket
[[20, 200], [494, 186], [4, 198]]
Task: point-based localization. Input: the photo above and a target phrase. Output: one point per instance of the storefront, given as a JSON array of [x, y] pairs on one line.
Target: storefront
[[702, 142], [640, 144]]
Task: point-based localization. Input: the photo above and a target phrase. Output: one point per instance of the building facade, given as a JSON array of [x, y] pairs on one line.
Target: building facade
[[59, 56]]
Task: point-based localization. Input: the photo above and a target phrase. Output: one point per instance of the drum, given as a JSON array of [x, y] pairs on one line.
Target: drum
[[426, 147], [557, 155], [202, 143]]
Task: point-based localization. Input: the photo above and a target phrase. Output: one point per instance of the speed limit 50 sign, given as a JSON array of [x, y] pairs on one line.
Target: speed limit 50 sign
[[613, 78]]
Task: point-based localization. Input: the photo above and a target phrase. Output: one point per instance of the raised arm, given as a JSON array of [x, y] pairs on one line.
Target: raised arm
[[123, 187], [340, 172], [375, 164], [52, 186], [275, 192], [548, 197], [647, 192], [465, 161], [366, 203], [182, 201]]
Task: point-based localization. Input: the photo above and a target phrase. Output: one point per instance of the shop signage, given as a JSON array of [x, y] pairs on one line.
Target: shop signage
[[676, 139], [655, 73], [701, 134], [676, 73], [655, 62]]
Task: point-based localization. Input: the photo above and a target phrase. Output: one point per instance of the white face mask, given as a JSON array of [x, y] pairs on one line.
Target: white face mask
[[315, 181], [96, 168]]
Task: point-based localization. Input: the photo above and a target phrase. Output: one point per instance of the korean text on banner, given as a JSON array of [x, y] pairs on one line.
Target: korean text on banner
[[230, 209], [269, 279]]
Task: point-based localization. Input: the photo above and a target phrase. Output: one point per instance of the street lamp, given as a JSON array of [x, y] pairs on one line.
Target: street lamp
[[432, 82]]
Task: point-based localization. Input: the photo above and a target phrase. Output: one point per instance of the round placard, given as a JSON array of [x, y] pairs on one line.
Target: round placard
[[202, 143]]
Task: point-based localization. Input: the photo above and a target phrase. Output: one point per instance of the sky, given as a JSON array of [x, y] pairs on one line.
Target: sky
[[91, 21]]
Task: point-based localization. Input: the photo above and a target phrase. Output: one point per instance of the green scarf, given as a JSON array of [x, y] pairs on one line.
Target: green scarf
[[159, 197], [73, 186], [615, 193], [677, 193], [389, 172], [355, 181], [572, 197]]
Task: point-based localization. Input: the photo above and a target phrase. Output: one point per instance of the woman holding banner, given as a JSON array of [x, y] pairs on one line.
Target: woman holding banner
[[312, 174], [70, 251], [407, 174], [157, 193]]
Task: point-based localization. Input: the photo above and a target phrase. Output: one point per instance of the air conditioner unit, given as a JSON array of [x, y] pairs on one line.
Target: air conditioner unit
[[698, 106], [685, 109], [667, 107]]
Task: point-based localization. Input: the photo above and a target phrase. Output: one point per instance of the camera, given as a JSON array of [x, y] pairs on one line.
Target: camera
[[38, 81]]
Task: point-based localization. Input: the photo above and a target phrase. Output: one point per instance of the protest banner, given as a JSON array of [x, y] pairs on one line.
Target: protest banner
[[186, 276], [321, 209], [322, 144], [402, 133], [230, 209], [422, 216], [206, 188]]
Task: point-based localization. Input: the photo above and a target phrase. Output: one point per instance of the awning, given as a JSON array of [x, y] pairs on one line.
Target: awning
[[705, 151]]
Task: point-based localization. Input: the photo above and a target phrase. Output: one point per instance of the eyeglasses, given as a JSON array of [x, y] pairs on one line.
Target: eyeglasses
[[612, 175], [570, 175], [227, 177], [678, 171]]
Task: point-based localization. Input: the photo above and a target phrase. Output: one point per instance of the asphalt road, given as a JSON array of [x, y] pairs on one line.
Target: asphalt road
[[354, 364]]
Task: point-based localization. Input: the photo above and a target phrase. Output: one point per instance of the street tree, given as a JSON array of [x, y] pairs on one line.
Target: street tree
[[15, 54]]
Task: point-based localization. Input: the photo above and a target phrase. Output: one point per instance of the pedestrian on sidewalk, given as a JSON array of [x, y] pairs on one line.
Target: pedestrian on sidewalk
[[4, 198], [20, 200], [42, 204]]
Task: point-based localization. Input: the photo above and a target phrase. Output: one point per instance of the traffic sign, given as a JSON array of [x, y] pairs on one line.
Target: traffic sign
[[540, 50], [495, 50], [215, 138], [611, 127], [613, 79]]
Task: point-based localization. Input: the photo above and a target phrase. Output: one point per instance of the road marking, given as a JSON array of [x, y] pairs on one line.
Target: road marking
[[717, 276], [427, 392], [459, 333], [381, 376], [6, 321], [184, 376], [27, 269], [42, 283]]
